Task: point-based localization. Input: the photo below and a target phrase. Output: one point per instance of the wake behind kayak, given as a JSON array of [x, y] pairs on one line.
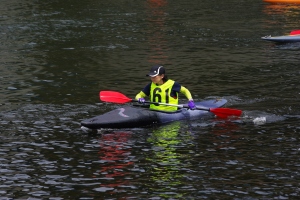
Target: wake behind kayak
[[137, 116]]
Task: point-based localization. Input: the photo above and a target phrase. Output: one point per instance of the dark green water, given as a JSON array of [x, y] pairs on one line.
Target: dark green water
[[57, 55]]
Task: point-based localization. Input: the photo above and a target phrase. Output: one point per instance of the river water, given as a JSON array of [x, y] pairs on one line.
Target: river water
[[57, 55]]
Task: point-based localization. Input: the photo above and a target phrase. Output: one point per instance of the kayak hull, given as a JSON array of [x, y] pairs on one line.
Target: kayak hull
[[137, 116], [282, 39]]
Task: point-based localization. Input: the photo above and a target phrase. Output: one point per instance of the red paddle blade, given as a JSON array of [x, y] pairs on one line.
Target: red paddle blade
[[295, 32], [226, 112], [113, 97]]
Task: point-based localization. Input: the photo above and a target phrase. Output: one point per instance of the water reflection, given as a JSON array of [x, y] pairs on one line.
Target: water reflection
[[291, 10], [156, 17], [286, 15], [223, 134], [167, 160], [114, 155]]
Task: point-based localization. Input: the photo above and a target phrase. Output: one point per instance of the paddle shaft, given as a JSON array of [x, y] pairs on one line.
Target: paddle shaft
[[168, 104], [117, 97]]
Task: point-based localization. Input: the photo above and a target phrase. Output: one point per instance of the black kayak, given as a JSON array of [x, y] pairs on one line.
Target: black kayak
[[138, 116]]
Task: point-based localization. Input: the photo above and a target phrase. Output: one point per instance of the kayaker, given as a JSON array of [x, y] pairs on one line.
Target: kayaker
[[163, 90]]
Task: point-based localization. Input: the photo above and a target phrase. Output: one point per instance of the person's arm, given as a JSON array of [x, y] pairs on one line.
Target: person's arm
[[141, 94], [144, 93], [186, 93]]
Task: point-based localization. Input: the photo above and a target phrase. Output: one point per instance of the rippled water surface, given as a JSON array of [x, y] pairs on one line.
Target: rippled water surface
[[57, 55]]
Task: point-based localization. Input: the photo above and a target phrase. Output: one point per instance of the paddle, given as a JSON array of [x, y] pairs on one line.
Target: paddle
[[117, 97], [295, 32]]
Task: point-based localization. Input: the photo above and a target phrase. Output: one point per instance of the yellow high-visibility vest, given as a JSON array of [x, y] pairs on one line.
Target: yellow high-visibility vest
[[162, 94]]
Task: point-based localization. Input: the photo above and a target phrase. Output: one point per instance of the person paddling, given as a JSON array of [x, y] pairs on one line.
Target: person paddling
[[163, 90]]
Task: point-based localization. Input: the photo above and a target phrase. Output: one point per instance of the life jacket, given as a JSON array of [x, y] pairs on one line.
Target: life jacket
[[162, 94]]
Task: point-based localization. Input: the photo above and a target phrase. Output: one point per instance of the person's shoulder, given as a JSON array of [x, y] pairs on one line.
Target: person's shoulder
[[176, 86], [146, 89], [176, 83], [148, 86]]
